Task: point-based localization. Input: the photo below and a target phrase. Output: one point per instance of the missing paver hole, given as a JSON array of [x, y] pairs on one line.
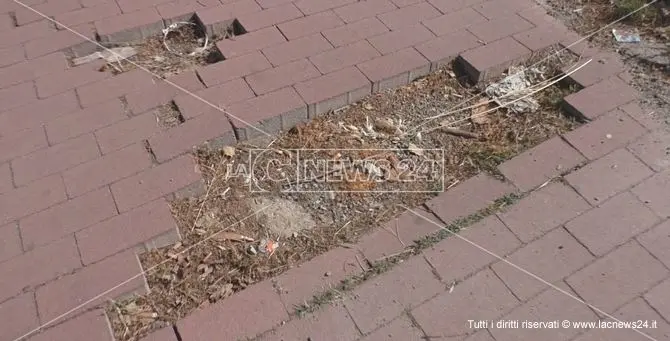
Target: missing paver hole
[[405, 123], [169, 116], [182, 46]]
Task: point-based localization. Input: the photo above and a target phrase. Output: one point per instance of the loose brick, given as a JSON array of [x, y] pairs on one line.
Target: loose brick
[[107, 169], [658, 298], [91, 325], [347, 34], [612, 224], [216, 20], [69, 79], [605, 134], [482, 295], [29, 199], [10, 242], [67, 218], [603, 66], [31, 69], [38, 113], [128, 6], [88, 14], [500, 28], [653, 149], [220, 95], [233, 68], [58, 297], [543, 210], [409, 15], [300, 284], [364, 9], [448, 6], [551, 258], [386, 240], [492, 59], [127, 132], [541, 163], [406, 36], [229, 319], [654, 193], [400, 329], [38, 266], [183, 138], [333, 323], [607, 176], [17, 95], [443, 50], [250, 42], [114, 87], [268, 18], [310, 24], [344, 56], [599, 98], [454, 21], [314, 6], [468, 197], [455, 258], [268, 113], [183, 10], [22, 142], [657, 242], [395, 69], [296, 49], [154, 183], [539, 38], [500, 8], [165, 334], [162, 92], [412, 282], [11, 56], [619, 276], [22, 34], [85, 120], [132, 26], [551, 305], [637, 310], [125, 231], [65, 40], [50, 8], [333, 90], [19, 316], [54, 159], [281, 76]]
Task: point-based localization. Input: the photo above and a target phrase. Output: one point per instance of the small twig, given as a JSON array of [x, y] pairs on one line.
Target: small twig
[[393, 255], [359, 263], [345, 225], [397, 234], [460, 133]]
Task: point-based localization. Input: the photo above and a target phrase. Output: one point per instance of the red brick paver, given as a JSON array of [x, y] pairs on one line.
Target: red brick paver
[[86, 172]]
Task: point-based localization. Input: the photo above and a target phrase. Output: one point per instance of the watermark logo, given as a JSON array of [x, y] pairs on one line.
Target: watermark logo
[[344, 170]]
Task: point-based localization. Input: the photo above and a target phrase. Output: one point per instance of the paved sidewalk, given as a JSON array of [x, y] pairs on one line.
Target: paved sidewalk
[[80, 194]]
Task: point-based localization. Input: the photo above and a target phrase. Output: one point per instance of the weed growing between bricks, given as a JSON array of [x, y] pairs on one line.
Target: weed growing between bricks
[[384, 265], [234, 260]]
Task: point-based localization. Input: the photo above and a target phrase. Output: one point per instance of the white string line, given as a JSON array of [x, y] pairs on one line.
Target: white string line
[[142, 273], [120, 57], [540, 61], [500, 258], [451, 124]]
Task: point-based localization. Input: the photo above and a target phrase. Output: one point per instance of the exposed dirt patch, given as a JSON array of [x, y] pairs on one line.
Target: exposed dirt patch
[[648, 61], [372, 146]]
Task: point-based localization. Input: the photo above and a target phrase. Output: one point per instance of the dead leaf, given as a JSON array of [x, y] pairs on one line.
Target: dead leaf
[[233, 236], [386, 125], [223, 292], [478, 116], [415, 150], [368, 106], [228, 151]]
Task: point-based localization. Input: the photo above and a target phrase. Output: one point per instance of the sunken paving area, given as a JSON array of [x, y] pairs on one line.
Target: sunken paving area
[[86, 173]]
